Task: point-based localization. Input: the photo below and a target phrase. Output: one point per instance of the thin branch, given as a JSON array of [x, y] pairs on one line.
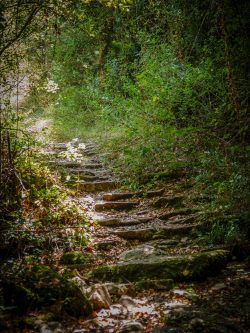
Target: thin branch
[[19, 34]]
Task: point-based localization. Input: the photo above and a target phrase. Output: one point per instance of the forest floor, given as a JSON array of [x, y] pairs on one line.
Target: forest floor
[[142, 268]]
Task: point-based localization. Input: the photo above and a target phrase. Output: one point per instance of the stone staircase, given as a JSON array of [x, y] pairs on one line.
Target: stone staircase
[[142, 246], [155, 228]]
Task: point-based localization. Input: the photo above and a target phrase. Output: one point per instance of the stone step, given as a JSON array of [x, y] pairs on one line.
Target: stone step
[[92, 165], [80, 172], [175, 230], [66, 164], [59, 145], [86, 152], [108, 222], [134, 221], [96, 186], [93, 178], [182, 211], [151, 194], [149, 266], [175, 201], [119, 196], [89, 175], [115, 205], [135, 234], [105, 244], [90, 145], [78, 181], [128, 195], [50, 153], [117, 222], [162, 232], [182, 220]]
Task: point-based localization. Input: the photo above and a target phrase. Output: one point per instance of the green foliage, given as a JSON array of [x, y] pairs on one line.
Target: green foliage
[[225, 231], [164, 87]]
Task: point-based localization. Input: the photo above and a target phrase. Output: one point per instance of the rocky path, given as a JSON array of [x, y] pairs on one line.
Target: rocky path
[[140, 267]]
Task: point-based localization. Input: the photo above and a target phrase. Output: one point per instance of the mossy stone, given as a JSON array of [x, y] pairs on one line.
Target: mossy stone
[[41, 286], [75, 258], [179, 268]]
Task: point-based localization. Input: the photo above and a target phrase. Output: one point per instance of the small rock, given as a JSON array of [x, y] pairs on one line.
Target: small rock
[[218, 287], [99, 296], [173, 305], [117, 289], [45, 329], [80, 282], [180, 292], [184, 240], [178, 312], [139, 252], [38, 323], [55, 325], [105, 245], [132, 326], [127, 301], [184, 293], [197, 324], [117, 310]]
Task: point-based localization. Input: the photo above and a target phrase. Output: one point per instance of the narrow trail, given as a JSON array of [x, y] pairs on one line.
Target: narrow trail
[[143, 261]]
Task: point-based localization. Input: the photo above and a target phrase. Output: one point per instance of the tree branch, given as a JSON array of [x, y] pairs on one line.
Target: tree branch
[[19, 34]]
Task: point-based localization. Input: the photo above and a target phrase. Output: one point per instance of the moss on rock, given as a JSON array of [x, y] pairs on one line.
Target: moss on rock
[[41, 286], [75, 258], [179, 268]]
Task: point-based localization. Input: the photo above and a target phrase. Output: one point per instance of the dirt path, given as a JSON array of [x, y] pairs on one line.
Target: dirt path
[[142, 263]]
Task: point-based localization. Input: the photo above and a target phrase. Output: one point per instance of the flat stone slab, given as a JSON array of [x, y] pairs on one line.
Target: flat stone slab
[[175, 229], [88, 152], [118, 196], [115, 205], [162, 232], [108, 222], [66, 164], [182, 211], [179, 268], [80, 172], [118, 222], [60, 145], [175, 201], [92, 165], [128, 195], [135, 221], [139, 234], [95, 186], [105, 245], [93, 178]]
